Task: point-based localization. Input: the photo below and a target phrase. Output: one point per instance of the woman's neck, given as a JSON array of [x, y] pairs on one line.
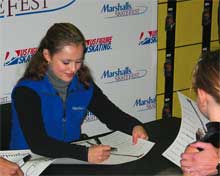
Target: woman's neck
[[214, 113], [60, 85]]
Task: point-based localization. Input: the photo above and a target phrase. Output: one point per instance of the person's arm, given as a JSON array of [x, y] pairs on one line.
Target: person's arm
[[8, 168], [203, 162], [33, 128], [110, 114]]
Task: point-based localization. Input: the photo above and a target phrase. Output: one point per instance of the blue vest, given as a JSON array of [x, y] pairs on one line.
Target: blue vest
[[62, 121]]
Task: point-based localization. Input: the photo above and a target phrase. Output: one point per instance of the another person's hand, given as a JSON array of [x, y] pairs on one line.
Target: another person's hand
[[139, 132], [199, 163], [8, 168], [98, 153]]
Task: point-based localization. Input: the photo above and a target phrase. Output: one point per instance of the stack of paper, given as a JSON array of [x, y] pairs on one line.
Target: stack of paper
[[126, 152], [192, 120]]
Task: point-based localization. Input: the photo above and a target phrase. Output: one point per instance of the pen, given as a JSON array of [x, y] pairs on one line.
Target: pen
[[135, 156], [97, 140], [200, 120], [112, 149], [22, 161]]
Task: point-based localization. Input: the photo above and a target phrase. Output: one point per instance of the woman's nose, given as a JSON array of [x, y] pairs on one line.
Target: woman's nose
[[73, 67]]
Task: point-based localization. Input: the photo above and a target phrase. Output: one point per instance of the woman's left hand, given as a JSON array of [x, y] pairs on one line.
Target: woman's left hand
[[202, 162], [139, 132]]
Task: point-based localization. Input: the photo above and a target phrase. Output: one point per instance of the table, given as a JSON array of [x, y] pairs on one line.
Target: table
[[162, 132]]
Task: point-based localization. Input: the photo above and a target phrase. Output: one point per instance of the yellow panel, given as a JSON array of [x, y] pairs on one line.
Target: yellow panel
[[188, 22], [162, 13], [214, 45], [214, 33], [160, 100], [162, 1], [184, 62], [176, 105], [160, 73], [188, 31]]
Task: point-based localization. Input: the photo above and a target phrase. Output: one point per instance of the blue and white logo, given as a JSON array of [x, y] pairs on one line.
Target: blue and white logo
[[122, 74], [145, 104], [122, 10], [12, 8]]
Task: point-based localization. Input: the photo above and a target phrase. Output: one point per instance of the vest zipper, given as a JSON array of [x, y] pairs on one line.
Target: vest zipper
[[64, 122], [64, 119]]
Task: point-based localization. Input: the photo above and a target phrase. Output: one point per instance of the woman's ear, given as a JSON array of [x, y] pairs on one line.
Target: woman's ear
[[46, 55], [202, 96]]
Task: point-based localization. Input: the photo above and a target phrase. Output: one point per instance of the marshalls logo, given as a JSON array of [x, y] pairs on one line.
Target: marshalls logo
[[9, 8], [145, 104], [122, 9], [122, 74]]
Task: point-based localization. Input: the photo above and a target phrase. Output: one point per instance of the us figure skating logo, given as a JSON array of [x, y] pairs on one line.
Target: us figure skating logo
[[98, 44], [19, 56], [147, 38]]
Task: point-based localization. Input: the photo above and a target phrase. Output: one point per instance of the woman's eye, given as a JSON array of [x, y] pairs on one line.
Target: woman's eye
[[66, 62], [78, 62]]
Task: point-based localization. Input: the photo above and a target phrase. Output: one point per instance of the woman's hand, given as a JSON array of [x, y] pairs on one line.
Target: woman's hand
[[8, 168], [201, 163], [98, 153], [139, 132]]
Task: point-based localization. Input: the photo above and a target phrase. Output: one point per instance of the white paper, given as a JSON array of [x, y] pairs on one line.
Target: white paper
[[34, 167], [123, 142], [190, 123], [124, 145]]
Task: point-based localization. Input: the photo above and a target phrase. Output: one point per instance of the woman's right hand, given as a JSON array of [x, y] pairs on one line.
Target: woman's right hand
[[8, 168], [98, 153]]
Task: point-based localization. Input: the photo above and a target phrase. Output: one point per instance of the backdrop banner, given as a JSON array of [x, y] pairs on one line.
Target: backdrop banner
[[121, 39]]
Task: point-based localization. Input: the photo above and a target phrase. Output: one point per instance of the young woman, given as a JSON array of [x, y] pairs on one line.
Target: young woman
[[51, 99], [203, 158]]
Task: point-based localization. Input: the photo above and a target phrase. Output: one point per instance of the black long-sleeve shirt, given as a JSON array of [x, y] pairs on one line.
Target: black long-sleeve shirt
[[31, 122]]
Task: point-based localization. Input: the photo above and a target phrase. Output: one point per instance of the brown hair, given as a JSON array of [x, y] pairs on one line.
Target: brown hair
[[57, 36], [206, 74]]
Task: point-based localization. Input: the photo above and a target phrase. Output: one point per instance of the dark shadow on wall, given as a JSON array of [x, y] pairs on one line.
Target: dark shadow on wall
[[5, 125]]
